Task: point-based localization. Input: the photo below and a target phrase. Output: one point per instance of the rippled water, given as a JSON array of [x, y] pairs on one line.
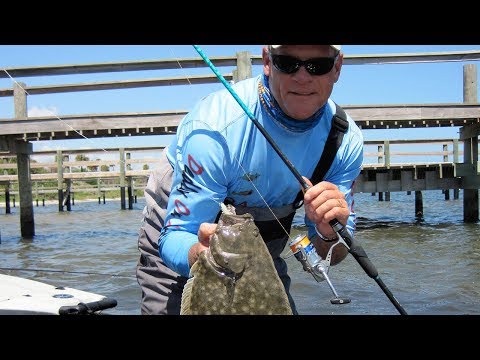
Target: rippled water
[[430, 267]]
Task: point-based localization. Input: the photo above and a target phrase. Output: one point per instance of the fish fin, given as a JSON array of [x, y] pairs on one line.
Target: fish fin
[[186, 297]]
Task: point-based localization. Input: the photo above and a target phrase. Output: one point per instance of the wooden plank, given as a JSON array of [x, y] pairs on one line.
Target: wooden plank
[[432, 180], [469, 131], [123, 66], [376, 166], [413, 115], [131, 124], [406, 180], [140, 149], [408, 141], [365, 186], [80, 175], [143, 160], [367, 116], [391, 185], [121, 84], [466, 170], [381, 180], [45, 125], [91, 163]]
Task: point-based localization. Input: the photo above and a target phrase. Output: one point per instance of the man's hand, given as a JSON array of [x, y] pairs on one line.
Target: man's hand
[[323, 203], [205, 232]]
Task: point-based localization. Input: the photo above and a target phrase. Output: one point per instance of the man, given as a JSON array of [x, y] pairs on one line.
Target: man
[[218, 155]]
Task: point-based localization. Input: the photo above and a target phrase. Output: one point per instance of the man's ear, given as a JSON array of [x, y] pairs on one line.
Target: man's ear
[[338, 67], [266, 61]]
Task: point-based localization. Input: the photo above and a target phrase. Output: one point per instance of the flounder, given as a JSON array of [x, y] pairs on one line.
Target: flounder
[[236, 274]]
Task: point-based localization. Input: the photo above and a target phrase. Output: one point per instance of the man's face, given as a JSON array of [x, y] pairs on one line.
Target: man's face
[[301, 94]]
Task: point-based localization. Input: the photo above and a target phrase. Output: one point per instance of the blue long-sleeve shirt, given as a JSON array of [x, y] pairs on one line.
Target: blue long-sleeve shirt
[[218, 152]]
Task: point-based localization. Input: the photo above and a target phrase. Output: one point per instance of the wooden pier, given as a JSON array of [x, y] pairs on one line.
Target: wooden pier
[[383, 176]]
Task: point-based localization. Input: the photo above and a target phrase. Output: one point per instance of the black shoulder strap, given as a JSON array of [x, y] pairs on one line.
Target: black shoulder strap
[[333, 142]]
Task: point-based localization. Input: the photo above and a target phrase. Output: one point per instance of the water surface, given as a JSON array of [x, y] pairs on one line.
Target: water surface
[[432, 267]]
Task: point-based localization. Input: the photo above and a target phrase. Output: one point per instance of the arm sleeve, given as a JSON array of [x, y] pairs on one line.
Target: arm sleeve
[[199, 186]]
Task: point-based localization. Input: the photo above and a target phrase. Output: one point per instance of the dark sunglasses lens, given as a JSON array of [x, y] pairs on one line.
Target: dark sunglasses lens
[[319, 66], [286, 64], [289, 65]]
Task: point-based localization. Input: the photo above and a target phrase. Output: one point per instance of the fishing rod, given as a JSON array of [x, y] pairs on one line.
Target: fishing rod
[[343, 233]]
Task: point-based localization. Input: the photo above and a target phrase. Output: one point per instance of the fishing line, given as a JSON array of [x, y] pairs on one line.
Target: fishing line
[[180, 66]]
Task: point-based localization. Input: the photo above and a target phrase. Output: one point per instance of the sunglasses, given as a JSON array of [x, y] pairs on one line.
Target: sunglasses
[[316, 66]]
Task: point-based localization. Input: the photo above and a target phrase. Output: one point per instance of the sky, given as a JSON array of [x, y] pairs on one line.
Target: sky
[[358, 85]]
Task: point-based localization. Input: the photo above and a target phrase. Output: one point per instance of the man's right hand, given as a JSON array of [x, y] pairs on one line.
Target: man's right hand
[[205, 232]]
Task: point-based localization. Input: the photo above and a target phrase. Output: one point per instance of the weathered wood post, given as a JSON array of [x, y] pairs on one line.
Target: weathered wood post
[[469, 134], [129, 183], [379, 161], [387, 161], [446, 192], [36, 193], [387, 164], [456, 192], [389, 179], [27, 223], [418, 205], [7, 198], [60, 180], [130, 193], [99, 193], [23, 150], [381, 178], [122, 179], [244, 66], [68, 195]]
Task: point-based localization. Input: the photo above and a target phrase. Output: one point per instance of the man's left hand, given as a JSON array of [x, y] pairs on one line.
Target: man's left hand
[[323, 203]]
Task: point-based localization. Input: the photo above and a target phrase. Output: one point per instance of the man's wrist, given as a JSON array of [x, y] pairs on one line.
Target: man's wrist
[[325, 238]]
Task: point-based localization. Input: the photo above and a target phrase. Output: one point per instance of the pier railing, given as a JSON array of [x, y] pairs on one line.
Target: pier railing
[[135, 164]]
